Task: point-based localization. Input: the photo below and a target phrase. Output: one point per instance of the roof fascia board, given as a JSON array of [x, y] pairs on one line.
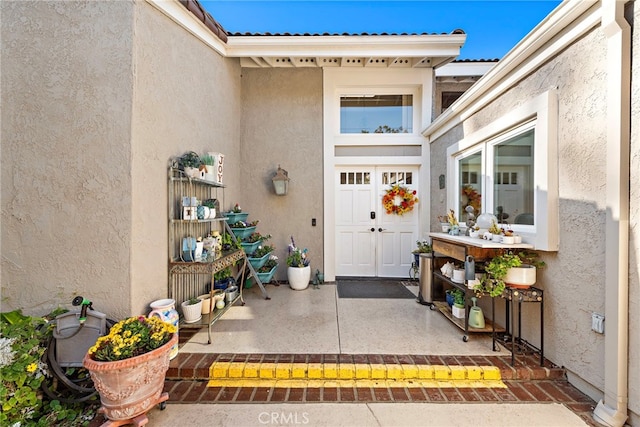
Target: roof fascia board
[[520, 61], [181, 16], [461, 69], [365, 46]]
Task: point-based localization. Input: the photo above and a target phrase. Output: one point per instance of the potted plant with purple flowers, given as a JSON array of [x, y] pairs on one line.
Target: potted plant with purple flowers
[[299, 269]]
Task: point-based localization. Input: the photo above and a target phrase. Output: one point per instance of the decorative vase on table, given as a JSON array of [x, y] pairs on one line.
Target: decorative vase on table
[[299, 277]]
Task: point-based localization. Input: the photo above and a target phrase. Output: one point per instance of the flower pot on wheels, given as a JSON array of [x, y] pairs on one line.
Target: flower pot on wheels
[[299, 277], [129, 388]]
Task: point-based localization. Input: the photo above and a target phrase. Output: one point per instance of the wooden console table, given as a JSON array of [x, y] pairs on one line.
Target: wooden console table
[[458, 248]]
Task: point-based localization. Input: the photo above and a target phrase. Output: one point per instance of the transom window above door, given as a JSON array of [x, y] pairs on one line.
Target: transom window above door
[[363, 114], [397, 178], [355, 178]]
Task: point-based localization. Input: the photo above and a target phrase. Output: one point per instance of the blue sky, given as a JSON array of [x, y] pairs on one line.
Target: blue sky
[[492, 27]]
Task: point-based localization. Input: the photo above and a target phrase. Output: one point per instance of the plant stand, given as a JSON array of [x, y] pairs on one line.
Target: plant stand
[[512, 339], [139, 420]]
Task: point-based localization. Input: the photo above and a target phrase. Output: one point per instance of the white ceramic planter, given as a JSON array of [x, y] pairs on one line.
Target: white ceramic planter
[[458, 275], [193, 312], [523, 276], [299, 277], [458, 312]]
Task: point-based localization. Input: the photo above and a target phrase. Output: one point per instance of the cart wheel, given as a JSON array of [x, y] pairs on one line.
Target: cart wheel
[[163, 406], [465, 338], [432, 307]]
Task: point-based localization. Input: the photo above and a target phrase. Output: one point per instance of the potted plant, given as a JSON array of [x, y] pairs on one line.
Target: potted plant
[[209, 165], [299, 270], [524, 275], [267, 271], [243, 229], [260, 256], [192, 310], [190, 163], [496, 231], [222, 278], [423, 247], [493, 283], [458, 309], [250, 244], [128, 366], [236, 214]]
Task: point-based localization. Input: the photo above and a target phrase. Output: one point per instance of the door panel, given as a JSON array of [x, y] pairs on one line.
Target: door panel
[[355, 242], [385, 251]]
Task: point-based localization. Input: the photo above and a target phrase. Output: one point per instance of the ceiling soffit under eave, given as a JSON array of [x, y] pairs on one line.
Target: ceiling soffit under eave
[[345, 51]]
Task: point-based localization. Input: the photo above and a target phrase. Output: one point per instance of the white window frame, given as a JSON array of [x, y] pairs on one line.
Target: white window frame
[[541, 114], [354, 139]]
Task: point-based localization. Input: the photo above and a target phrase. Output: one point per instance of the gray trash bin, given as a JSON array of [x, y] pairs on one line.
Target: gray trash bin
[[425, 295]]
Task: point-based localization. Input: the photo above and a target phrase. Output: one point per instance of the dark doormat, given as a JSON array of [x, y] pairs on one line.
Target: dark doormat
[[373, 288]]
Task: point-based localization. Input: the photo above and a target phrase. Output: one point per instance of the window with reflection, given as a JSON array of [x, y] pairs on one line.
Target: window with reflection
[[508, 175], [376, 114], [470, 184], [513, 183]]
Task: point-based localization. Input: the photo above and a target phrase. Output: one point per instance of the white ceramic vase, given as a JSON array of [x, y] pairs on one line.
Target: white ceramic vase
[[299, 277]]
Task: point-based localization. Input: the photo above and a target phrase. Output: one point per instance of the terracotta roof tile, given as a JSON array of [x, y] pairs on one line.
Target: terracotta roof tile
[[196, 8]]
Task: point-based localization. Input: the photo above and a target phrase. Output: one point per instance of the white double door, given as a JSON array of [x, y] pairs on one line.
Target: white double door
[[370, 242]]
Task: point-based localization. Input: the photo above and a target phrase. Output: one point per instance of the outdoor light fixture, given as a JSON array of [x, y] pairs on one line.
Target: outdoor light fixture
[[281, 181]]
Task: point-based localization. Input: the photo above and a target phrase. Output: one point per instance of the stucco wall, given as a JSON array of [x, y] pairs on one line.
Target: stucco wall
[[574, 277], [97, 96], [66, 127], [282, 125], [186, 98]]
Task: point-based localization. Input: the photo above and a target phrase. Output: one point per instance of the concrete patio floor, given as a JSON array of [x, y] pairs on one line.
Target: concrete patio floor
[[317, 321], [316, 325]]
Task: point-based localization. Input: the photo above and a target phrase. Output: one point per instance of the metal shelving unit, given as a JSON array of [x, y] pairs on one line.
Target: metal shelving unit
[[187, 278]]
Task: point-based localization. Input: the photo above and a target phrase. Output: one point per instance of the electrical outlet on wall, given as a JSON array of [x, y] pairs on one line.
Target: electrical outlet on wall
[[597, 323]]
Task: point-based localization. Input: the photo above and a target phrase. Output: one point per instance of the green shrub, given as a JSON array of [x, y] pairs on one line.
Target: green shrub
[[23, 342]]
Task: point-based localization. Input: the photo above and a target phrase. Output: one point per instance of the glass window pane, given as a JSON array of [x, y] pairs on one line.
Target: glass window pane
[[359, 178], [513, 196], [470, 192], [367, 178], [376, 114], [409, 178], [343, 178]]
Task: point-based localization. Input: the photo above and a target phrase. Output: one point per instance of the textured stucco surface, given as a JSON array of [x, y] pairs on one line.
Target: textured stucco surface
[[282, 125], [574, 276], [66, 158], [186, 98], [95, 101]]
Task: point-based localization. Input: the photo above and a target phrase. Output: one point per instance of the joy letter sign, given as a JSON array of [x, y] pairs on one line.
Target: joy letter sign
[[218, 164]]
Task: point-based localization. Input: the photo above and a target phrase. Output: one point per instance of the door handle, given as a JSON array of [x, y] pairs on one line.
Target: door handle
[[382, 229], [373, 229]]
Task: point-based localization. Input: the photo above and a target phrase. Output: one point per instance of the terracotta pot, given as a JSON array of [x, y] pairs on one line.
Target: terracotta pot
[[130, 387]]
